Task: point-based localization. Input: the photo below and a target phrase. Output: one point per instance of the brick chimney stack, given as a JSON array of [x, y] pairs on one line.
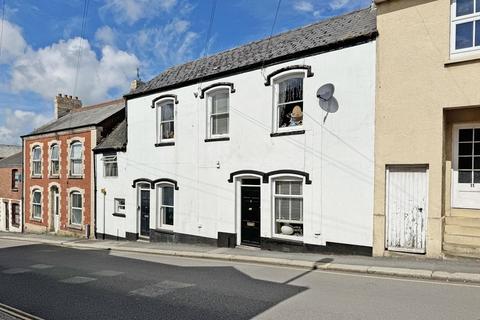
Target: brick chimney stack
[[64, 104], [136, 84]]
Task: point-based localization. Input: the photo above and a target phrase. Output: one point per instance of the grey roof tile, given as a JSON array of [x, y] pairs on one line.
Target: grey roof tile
[[116, 140], [7, 150], [14, 160], [321, 36], [83, 117]]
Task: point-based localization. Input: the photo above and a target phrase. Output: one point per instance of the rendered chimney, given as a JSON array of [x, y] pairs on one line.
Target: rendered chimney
[[64, 104], [136, 84]]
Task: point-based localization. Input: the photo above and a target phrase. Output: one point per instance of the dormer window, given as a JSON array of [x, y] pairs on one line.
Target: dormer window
[[465, 27]]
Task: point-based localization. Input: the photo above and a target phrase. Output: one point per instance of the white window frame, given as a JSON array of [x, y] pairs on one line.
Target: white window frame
[[454, 21], [160, 206], [110, 159], [15, 179], [276, 84], [464, 195], [39, 161], [75, 208], [53, 160], [119, 208], [158, 106], [36, 204], [210, 95], [275, 196], [73, 160]]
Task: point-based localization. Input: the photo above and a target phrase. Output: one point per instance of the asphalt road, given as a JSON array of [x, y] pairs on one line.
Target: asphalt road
[[60, 283]]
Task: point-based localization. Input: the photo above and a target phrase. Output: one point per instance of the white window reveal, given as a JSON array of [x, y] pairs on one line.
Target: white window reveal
[[218, 113], [166, 121], [36, 204], [54, 160], [37, 161], [465, 26], [110, 166], [288, 208], [289, 103], [76, 208], [119, 205], [166, 209], [76, 161], [466, 167]]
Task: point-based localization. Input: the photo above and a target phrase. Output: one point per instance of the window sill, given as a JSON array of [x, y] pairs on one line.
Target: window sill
[[217, 139], [164, 144], [462, 60], [166, 231], [37, 177], [292, 239], [54, 176], [75, 177], [37, 220], [120, 215], [287, 133], [14, 189], [75, 227]]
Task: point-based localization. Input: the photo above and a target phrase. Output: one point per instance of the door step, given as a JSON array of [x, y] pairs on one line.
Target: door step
[[242, 246]]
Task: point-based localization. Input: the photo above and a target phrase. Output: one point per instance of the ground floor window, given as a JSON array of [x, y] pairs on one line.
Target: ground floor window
[[288, 207], [119, 205], [166, 208], [15, 214], [36, 204], [76, 208]]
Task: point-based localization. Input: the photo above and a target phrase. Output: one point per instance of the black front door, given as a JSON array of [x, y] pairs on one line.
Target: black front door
[[145, 212], [6, 216], [250, 211]]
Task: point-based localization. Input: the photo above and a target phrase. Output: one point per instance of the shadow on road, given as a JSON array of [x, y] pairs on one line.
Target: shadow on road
[[62, 283]]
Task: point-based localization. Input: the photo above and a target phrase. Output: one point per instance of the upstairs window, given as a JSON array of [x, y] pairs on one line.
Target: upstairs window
[[218, 113], [76, 161], [36, 204], [289, 103], [54, 160], [36, 161], [110, 166], [15, 179], [465, 26], [166, 121]]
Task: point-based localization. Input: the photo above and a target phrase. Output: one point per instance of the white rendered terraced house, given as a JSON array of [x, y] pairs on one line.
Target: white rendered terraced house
[[234, 148]]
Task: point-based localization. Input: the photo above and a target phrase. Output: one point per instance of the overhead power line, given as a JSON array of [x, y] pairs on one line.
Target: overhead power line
[[80, 48], [1, 31], [270, 37]]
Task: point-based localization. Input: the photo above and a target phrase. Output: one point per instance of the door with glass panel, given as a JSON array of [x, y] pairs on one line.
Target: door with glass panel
[[144, 209]]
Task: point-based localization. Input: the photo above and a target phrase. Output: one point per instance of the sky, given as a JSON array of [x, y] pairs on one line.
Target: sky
[[47, 47]]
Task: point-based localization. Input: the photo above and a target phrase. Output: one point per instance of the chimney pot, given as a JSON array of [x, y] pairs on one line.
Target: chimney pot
[[64, 104]]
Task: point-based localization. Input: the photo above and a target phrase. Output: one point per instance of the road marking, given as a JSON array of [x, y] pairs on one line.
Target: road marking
[[17, 314], [161, 288], [107, 273], [16, 270], [78, 280], [41, 266]]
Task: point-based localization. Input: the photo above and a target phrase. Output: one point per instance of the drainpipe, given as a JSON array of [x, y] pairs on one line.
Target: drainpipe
[[23, 186], [95, 193]]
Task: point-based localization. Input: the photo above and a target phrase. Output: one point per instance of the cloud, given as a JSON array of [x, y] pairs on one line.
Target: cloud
[[13, 44], [131, 11], [19, 122], [106, 36], [165, 46], [303, 6], [51, 70], [307, 6]]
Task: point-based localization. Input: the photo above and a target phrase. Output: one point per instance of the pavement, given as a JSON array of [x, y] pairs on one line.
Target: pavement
[[408, 266]]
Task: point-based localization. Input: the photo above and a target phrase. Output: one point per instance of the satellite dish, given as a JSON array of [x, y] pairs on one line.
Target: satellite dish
[[330, 106], [326, 91]]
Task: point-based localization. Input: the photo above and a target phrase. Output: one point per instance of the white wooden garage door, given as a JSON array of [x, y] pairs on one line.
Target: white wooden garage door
[[406, 204]]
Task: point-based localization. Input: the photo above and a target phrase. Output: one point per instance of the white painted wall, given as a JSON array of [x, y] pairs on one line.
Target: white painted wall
[[338, 205]]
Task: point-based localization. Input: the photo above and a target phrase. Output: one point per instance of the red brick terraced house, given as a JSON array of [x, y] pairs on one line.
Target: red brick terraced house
[[11, 193], [59, 166]]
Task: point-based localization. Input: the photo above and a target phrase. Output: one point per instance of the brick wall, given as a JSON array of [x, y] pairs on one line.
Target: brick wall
[[6, 184], [64, 182]]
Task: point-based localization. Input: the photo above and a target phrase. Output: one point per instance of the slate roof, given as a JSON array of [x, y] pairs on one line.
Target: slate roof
[[334, 33], [15, 160], [116, 140], [83, 117], [7, 150]]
